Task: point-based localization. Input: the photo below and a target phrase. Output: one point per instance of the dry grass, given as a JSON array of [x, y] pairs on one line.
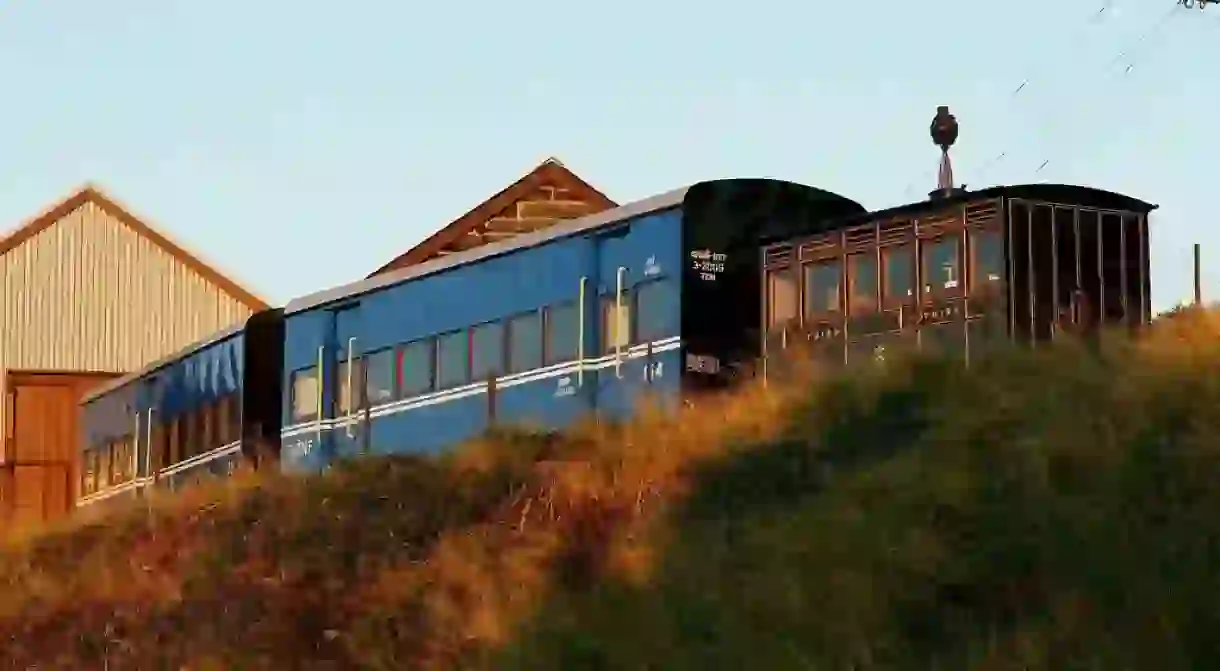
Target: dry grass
[[1043, 509], [431, 564]]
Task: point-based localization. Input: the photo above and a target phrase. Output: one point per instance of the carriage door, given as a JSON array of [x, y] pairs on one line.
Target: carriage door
[[617, 372], [349, 427]]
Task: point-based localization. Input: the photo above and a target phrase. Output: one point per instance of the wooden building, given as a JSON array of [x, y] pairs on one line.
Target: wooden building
[[545, 195], [87, 291]]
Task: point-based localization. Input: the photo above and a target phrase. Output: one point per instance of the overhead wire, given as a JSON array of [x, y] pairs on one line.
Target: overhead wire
[[1126, 58], [1128, 54], [1032, 71]]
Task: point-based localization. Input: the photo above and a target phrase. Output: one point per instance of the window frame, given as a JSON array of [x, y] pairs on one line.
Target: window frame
[[985, 286], [430, 356], [870, 255], [209, 438], [313, 415], [104, 476], [194, 433], [440, 384], [223, 419], [608, 304], [376, 356], [794, 281], [500, 350], [510, 339], [548, 312], [911, 248], [939, 291], [88, 472], [807, 269], [639, 291], [160, 447], [340, 386], [122, 452], [232, 419]]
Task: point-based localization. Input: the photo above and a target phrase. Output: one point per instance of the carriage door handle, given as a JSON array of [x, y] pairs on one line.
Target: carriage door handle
[[618, 323], [351, 368]]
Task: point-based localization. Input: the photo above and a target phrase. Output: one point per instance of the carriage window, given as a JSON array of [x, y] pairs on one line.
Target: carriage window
[[235, 416], [224, 409], [379, 376], [195, 436], [656, 306], [486, 350], [175, 440], [209, 438], [349, 385], [562, 324], [160, 446], [415, 368], [103, 467], [305, 394], [525, 342], [229, 418], [188, 435], [199, 422], [941, 265], [862, 283], [122, 454], [898, 272], [616, 324], [822, 284], [88, 483], [452, 359], [987, 259], [781, 298]]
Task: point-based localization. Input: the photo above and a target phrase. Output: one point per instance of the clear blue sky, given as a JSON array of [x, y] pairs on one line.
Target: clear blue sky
[[300, 145]]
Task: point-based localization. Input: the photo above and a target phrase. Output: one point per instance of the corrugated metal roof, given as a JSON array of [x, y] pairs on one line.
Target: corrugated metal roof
[[92, 193]]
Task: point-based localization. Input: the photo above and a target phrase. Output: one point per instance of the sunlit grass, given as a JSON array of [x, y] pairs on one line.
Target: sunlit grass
[[1053, 508]]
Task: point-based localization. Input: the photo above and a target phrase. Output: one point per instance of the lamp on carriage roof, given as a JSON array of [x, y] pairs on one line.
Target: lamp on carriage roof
[[944, 134]]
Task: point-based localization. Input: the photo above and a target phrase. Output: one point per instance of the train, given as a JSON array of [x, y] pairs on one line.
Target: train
[[667, 297]]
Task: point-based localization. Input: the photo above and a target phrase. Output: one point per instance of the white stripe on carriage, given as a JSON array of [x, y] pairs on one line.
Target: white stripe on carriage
[[395, 407], [136, 483], [474, 389]]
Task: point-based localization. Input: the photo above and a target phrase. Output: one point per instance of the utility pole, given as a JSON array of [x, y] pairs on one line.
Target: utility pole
[[1198, 279]]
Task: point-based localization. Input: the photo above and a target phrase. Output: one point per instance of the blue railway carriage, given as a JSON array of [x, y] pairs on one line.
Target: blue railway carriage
[[959, 273], [194, 415], [591, 315]]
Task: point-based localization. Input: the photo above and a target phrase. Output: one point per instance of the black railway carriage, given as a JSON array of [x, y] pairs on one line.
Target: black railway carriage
[[958, 272]]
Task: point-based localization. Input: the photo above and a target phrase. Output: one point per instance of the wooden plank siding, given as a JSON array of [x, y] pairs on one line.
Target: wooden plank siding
[[544, 196]]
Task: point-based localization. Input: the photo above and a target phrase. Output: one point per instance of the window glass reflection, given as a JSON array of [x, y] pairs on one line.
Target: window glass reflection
[[822, 287], [899, 269], [941, 266], [987, 256], [781, 302], [862, 283]]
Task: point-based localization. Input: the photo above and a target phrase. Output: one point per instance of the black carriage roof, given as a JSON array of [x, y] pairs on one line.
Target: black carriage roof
[[560, 230], [1064, 194], [164, 361]]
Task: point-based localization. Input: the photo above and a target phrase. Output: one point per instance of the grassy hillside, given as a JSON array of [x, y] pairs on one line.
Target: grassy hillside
[[1041, 510]]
